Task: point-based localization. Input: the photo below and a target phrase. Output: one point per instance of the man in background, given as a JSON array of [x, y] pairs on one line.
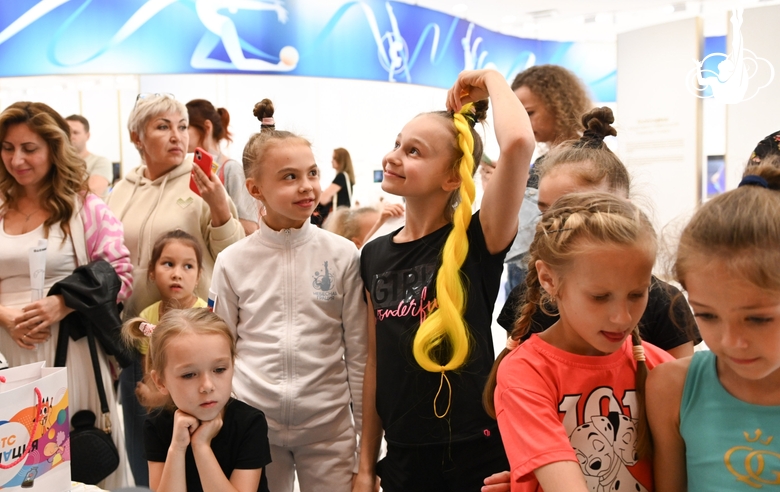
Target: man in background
[[99, 168]]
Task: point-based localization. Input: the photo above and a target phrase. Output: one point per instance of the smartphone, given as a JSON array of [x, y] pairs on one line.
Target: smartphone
[[206, 163]]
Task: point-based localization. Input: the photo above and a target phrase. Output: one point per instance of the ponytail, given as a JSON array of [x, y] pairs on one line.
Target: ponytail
[[133, 335], [446, 322], [444, 331]]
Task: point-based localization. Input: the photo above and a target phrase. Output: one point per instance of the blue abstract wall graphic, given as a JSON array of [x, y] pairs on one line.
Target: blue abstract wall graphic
[[369, 40]]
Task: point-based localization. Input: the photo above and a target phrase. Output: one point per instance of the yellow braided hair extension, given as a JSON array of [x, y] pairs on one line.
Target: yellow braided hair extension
[[446, 322]]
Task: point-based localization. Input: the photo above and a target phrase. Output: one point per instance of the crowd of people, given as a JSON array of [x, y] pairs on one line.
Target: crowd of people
[[265, 349]]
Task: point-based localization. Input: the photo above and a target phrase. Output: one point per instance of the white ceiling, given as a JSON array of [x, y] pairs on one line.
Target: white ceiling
[[586, 20]]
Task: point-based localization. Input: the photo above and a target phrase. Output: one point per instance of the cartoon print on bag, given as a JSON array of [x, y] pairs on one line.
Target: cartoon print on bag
[[323, 284]]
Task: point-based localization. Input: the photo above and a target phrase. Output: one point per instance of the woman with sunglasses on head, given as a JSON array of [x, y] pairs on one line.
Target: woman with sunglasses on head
[[151, 200]]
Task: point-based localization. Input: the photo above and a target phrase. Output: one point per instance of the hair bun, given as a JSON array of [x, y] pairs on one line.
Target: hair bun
[[264, 109], [480, 110], [598, 125]]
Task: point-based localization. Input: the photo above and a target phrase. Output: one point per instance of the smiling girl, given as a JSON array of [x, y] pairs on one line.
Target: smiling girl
[[291, 293], [570, 400], [432, 285]]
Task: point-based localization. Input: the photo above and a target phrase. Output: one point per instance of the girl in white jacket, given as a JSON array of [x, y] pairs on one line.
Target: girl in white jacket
[[293, 296]]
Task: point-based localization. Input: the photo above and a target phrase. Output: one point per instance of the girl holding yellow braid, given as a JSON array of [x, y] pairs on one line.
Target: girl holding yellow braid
[[431, 286]]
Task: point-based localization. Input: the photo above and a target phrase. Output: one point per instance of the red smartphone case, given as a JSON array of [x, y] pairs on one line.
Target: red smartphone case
[[206, 163]]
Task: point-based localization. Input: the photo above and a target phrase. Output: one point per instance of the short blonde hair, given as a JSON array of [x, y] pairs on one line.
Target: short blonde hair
[[148, 107]]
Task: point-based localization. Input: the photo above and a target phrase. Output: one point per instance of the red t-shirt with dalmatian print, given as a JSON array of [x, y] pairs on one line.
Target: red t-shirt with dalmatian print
[[553, 405]]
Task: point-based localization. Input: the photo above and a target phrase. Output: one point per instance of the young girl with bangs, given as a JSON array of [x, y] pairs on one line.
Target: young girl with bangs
[[431, 286], [200, 439], [570, 400], [714, 417], [174, 267], [292, 296]]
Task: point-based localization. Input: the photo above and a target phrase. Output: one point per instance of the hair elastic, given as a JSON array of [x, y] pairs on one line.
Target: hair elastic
[[639, 353], [449, 393], [769, 145], [511, 344], [147, 328], [470, 117], [753, 180], [590, 139], [267, 122]]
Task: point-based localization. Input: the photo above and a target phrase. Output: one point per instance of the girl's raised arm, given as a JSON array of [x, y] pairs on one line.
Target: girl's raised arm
[[664, 394], [504, 194]]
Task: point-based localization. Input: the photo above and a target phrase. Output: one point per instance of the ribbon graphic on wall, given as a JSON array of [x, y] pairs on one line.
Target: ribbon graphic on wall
[[368, 40]]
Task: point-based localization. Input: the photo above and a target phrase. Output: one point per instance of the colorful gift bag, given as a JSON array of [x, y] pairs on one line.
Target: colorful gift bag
[[34, 429]]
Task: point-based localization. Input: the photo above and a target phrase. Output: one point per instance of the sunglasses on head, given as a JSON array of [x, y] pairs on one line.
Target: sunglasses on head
[[150, 95]]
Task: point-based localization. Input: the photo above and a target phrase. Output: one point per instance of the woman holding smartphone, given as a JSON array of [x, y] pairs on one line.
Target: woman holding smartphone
[[153, 199]]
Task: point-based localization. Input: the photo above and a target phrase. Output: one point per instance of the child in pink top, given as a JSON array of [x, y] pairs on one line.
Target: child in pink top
[[570, 401]]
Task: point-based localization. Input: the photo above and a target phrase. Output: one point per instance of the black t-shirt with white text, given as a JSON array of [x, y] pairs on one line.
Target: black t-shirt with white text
[[241, 444], [400, 278]]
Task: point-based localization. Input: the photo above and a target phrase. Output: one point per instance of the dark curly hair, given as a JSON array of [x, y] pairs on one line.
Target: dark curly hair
[[563, 94]]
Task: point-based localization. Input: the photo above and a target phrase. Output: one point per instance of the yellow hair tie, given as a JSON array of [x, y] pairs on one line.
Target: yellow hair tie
[[639, 353], [449, 397]]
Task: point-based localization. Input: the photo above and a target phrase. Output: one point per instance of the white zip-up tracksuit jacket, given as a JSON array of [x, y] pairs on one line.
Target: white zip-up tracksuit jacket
[[294, 300]]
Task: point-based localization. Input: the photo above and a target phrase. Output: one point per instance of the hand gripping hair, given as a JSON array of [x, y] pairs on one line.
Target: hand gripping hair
[[444, 332]]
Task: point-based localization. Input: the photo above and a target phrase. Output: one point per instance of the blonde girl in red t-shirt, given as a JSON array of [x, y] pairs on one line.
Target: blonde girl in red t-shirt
[[569, 401]]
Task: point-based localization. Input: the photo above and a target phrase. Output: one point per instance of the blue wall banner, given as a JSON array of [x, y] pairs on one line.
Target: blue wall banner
[[369, 40]]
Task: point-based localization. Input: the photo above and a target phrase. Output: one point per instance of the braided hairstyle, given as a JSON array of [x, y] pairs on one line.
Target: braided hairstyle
[[577, 221], [591, 161], [442, 341]]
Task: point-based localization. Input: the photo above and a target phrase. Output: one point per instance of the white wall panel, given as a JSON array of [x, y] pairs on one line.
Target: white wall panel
[[749, 121], [660, 121]]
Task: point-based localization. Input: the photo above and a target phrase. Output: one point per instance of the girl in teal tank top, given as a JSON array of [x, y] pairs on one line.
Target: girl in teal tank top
[[730, 444], [715, 417]]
